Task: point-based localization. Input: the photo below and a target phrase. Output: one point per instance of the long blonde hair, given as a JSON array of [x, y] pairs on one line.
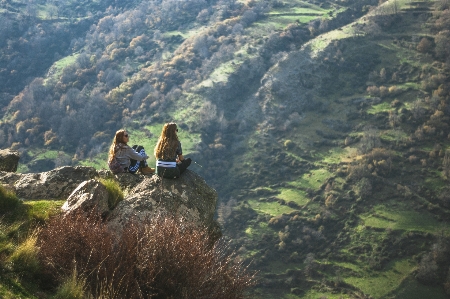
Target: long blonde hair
[[118, 138], [167, 143]]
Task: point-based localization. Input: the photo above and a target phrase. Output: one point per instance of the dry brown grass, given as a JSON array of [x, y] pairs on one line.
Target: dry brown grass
[[158, 258]]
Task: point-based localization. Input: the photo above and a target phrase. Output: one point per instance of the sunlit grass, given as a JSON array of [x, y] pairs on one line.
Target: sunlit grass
[[43, 209], [280, 22], [322, 41], [270, 208], [382, 107], [57, 67], [394, 136], [25, 256], [51, 154], [299, 11], [297, 196], [315, 294], [382, 283], [334, 155], [313, 179], [350, 266], [402, 218], [256, 229], [407, 85], [115, 193]]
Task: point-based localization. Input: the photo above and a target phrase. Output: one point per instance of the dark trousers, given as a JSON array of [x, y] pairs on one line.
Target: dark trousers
[[173, 172], [135, 165], [184, 165]]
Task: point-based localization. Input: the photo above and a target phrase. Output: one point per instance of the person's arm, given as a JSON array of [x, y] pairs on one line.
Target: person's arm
[[179, 153], [132, 154]]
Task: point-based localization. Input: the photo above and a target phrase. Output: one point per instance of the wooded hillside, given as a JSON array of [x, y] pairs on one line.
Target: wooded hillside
[[323, 125]]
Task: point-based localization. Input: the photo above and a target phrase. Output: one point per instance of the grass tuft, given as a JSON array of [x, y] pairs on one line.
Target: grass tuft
[[114, 191], [8, 200], [72, 287], [24, 259]]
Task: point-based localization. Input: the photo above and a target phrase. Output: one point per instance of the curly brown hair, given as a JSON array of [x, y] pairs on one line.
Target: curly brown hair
[[167, 143]]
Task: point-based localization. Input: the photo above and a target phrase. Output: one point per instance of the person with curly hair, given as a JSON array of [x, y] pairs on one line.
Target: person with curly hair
[[127, 156], [170, 162]]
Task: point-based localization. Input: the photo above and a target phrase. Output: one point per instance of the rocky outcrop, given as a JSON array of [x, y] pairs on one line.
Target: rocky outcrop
[[188, 196], [54, 184], [9, 160]]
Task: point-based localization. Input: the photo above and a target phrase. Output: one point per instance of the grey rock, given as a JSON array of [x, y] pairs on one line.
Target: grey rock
[[89, 196], [9, 160], [55, 184], [188, 196], [9, 178]]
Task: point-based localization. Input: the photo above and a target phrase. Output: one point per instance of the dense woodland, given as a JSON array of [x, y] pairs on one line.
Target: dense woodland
[[326, 135]]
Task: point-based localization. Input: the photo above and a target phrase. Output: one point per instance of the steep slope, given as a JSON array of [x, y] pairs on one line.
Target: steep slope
[[322, 125], [346, 166]]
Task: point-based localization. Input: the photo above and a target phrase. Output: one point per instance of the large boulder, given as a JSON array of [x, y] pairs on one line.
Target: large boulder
[[9, 178], [9, 160], [55, 184], [188, 196], [90, 196], [127, 181]]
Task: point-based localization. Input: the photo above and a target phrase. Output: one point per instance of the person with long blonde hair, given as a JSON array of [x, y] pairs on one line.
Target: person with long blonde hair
[[170, 162], [127, 156]]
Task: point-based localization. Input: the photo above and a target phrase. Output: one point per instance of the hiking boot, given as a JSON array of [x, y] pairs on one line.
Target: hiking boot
[[147, 170]]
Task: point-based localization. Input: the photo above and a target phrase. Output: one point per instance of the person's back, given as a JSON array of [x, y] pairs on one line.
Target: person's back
[[170, 162]]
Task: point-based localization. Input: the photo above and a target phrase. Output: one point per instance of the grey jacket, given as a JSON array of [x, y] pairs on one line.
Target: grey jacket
[[124, 153]]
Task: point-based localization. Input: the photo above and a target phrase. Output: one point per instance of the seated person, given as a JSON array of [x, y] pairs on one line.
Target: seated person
[[128, 156], [170, 162]]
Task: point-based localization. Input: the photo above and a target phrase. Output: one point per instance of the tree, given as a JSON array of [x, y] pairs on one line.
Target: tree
[[442, 41], [424, 45], [113, 78]]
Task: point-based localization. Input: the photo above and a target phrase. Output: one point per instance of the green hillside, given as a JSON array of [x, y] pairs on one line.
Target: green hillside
[[323, 125]]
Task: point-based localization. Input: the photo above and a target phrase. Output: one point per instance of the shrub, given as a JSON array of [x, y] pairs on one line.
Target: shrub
[[115, 194], [158, 258], [289, 144], [427, 271], [384, 91], [369, 140], [447, 283], [373, 91], [417, 110], [424, 45], [72, 238], [394, 90], [357, 172], [363, 188], [8, 200], [442, 41]]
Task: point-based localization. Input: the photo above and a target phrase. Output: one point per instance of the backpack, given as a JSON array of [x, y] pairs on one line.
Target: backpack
[[115, 166]]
